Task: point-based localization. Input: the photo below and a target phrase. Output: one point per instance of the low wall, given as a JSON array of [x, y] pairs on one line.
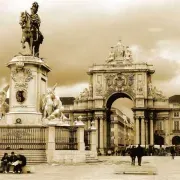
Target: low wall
[[69, 156]]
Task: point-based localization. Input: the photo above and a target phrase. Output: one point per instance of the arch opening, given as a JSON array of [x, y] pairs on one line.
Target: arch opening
[[176, 140], [119, 118]]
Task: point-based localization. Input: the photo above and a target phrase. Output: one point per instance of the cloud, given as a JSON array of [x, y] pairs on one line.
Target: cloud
[[155, 30], [80, 33], [73, 91]]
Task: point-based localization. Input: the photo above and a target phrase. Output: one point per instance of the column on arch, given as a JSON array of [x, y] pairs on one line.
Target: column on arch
[[97, 131], [101, 129], [151, 132], [142, 131], [137, 130]]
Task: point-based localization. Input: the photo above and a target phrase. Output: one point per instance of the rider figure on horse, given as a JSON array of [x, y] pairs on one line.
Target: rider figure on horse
[[35, 19], [30, 24]]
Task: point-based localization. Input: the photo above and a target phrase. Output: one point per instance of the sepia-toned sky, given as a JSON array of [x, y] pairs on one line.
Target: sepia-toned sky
[[79, 33]]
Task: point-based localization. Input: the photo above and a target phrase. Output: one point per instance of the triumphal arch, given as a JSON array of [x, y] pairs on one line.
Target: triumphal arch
[[120, 77]]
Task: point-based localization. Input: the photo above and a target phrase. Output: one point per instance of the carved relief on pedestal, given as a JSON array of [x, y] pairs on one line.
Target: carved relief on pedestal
[[120, 83], [21, 77]]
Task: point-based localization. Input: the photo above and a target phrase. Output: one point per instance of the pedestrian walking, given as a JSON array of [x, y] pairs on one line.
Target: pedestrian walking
[[139, 154], [133, 155], [173, 152]]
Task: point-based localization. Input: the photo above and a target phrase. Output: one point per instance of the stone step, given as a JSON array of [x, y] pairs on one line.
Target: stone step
[[90, 158], [33, 156]]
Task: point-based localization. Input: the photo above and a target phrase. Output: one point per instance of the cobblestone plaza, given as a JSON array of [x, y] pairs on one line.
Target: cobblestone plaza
[[167, 168]]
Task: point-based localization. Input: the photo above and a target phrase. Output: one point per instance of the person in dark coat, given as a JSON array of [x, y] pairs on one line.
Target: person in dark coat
[[173, 152], [12, 159], [4, 162], [139, 154], [133, 155], [22, 163]]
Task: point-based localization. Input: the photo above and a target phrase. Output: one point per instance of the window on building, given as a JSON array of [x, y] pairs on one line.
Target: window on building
[[159, 125], [176, 114], [176, 125]]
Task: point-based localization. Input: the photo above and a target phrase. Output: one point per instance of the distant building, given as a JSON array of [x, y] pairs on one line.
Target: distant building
[[122, 132]]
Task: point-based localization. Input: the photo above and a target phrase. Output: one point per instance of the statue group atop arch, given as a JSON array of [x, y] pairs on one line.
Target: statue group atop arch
[[120, 53]]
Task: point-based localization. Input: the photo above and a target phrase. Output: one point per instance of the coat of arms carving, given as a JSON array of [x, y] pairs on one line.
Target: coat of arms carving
[[21, 77], [119, 82]]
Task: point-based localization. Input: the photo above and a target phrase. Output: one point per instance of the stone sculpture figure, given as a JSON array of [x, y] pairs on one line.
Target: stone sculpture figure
[[119, 49], [4, 107], [128, 54], [31, 34], [157, 94], [111, 56], [120, 54], [52, 105]]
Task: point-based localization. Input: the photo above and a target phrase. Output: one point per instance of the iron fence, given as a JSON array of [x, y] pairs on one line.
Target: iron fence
[[87, 139], [66, 138], [23, 138]]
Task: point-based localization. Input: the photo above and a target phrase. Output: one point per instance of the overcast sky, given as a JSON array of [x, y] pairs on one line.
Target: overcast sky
[[79, 33]]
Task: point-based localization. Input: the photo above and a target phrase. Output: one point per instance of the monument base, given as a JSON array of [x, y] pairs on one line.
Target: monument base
[[27, 118]]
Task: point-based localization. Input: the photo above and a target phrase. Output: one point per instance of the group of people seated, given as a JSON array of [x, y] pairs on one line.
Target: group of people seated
[[17, 161]]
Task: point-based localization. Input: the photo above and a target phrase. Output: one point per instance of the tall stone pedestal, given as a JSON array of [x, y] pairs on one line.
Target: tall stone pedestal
[[28, 83]]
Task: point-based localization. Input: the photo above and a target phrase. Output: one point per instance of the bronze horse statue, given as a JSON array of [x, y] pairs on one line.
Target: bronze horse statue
[[30, 34]]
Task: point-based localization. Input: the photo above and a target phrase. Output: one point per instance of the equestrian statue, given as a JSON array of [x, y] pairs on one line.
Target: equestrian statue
[[31, 34]]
